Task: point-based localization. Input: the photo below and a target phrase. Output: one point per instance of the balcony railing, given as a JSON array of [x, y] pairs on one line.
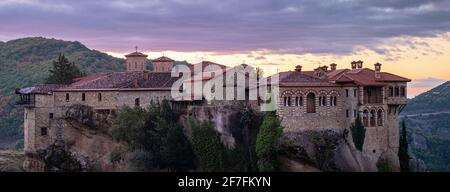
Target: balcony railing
[[26, 100]]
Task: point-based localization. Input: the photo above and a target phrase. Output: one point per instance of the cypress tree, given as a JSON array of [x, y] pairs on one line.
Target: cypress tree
[[403, 150], [267, 143], [358, 133], [63, 71]]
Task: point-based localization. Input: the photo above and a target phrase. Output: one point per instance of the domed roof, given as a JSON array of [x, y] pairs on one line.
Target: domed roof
[[163, 59], [136, 54]]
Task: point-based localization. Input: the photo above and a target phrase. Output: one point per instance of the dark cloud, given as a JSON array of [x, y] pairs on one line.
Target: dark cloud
[[300, 26]]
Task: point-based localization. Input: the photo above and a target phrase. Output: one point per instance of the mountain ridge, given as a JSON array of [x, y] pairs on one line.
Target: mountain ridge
[[435, 100], [427, 120], [26, 61]]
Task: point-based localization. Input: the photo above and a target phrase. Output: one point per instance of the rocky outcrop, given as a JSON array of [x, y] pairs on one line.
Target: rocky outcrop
[[99, 120], [11, 161], [82, 142], [226, 120], [58, 157], [326, 150]]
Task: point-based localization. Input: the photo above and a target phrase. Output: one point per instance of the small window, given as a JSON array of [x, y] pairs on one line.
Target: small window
[[83, 97], [397, 91], [99, 96], [355, 92], [50, 115], [355, 113], [300, 101], [347, 113], [346, 92], [402, 91], [296, 101], [44, 131], [137, 102], [391, 91], [289, 101], [67, 97]]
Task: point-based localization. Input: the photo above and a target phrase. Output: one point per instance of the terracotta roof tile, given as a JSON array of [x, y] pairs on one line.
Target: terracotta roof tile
[[123, 80], [361, 76]]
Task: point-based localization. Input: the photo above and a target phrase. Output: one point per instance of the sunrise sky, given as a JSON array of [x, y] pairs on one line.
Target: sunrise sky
[[409, 37]]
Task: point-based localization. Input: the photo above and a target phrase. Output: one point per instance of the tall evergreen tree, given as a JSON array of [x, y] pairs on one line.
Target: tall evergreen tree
[[207, 146], [63, 71], [403, 150], [267, 143], [358, 133]]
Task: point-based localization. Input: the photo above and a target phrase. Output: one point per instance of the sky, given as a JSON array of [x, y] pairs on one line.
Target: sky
[[410, 38]]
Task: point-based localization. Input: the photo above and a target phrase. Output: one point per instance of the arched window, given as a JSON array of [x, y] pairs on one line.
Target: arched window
[[300, 101], [296, 101], [99, 96], [366, 118], [322, 100], [333, 100], [311, 103], [380, 117], [372, 118], [287, 101]]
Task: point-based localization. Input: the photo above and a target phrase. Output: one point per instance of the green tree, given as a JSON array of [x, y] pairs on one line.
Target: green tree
[[358, 133], [176, 150], [268, 143], [63, 71], [154, 137], [207, 146], [403, 150], [129, 127]]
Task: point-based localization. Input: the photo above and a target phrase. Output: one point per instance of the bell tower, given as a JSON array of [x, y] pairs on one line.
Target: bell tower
[[136, 61]]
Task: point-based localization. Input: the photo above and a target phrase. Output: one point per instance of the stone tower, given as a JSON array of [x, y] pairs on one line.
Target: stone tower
[[136, 61], [162, 64]]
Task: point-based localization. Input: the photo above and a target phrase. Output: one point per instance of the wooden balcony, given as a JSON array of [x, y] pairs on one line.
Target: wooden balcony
[[26, 100]]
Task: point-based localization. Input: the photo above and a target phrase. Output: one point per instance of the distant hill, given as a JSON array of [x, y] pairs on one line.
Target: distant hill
[[427, 119], [435, 100], [24, 62]]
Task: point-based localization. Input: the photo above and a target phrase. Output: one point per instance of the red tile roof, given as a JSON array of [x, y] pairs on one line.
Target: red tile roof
[[123, 80], [362, 76], [163, 59]]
